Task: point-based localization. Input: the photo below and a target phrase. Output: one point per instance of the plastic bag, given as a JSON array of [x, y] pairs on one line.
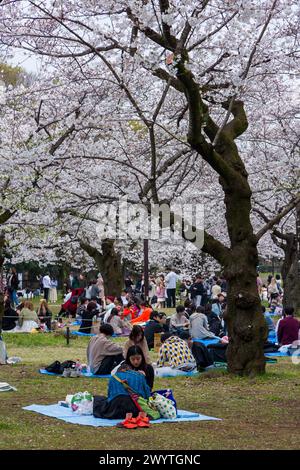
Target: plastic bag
[[82, 403]]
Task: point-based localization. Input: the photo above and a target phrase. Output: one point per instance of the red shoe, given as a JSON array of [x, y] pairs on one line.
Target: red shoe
[[128, 423], [143, 420]]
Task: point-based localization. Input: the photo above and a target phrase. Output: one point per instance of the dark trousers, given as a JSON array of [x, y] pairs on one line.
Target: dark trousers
[[108, 364], [218, 352], [150, 375], [171, 299], [202, 355], [46, 293]]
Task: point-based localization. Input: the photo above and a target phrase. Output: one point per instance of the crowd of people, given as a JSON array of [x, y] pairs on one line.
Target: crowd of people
[[200, 314]]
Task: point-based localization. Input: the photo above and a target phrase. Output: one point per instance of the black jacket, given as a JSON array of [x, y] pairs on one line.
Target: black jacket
[[197, 289], [9, 319], [14, 282], [151, 328]]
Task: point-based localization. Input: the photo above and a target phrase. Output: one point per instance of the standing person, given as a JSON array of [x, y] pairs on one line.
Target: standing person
[[161, 293], [216, 288], [197, 291], [278, 282], [94, 289], [75, 283], [46, 286], [128, 284], [100, 285], [273, 290], [12, 284], [53, 291], [82, 281], [171, 279], [259, 284]]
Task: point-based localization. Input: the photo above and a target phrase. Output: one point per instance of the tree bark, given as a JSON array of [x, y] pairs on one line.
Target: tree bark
[[109, 264], [246, 325], [247, 328], [290, 274], [2, 245]]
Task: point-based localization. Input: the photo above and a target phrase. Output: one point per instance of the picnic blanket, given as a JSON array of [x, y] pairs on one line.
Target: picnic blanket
[[169, 372], [276, 354], [67, 415], [206, 342], [84, 374], [79, 333]]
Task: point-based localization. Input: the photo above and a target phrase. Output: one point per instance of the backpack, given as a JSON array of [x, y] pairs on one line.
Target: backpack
[[55, 367]]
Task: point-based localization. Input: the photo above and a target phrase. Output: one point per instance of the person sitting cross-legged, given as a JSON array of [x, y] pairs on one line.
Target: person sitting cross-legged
[[133, 373], [102, 354]]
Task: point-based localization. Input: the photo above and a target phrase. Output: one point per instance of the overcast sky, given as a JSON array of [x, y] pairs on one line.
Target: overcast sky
[[30, 64]]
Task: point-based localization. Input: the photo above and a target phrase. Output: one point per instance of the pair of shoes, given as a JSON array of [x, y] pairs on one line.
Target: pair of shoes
[[128, 423], [142, 421]]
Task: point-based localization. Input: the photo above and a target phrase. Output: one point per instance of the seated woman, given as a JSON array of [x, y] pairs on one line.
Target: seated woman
[[128, 312], [137, 338], [10, 316], [118, 403], [144, 314], [135, 360], [121, 327], [44, 314], [28, 319]]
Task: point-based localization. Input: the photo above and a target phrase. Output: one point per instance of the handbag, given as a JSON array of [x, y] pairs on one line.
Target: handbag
[[164, 405], [168, 393], [140, 402]]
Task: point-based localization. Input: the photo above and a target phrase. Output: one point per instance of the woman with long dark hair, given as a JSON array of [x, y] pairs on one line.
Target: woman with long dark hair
[[135, 360], [137, 338], [136, 374]]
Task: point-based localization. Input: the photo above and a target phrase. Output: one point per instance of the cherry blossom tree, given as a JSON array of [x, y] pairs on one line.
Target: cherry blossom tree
[[190, 72]]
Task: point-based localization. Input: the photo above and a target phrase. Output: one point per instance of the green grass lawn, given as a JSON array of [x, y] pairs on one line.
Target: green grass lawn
[[260, 413]]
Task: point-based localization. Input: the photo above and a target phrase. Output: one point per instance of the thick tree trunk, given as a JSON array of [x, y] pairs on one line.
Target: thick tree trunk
[[109, 264], [111, 268], [247, 328], [2, 244], [290, 274]]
